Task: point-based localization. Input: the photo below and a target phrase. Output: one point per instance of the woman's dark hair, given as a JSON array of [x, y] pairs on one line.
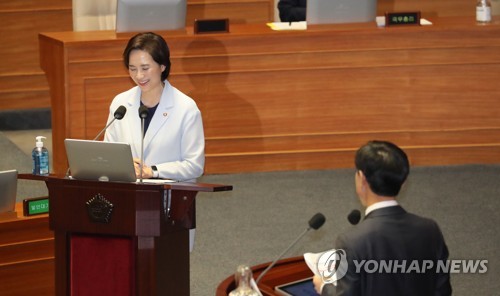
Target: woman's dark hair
[[384, 165], [153, 44]]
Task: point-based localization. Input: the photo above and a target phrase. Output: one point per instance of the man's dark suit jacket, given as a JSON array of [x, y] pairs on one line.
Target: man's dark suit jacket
[[391, 233], [292, 10]]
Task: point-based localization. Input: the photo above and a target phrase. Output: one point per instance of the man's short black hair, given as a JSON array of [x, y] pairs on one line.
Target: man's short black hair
[[384, 165]]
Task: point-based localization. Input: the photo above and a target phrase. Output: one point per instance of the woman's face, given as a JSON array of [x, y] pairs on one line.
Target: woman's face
[[145, 72]]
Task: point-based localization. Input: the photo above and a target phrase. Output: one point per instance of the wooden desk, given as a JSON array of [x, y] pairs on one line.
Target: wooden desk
[[303, 99], [26, 255]]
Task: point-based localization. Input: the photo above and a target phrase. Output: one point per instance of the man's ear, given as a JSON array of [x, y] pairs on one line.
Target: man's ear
[[362, 176], [364, 183]]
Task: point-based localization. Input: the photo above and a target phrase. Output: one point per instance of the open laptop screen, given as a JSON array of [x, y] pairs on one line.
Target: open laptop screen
[[8, 190], [150, 15], [340, 11], [103, 161]]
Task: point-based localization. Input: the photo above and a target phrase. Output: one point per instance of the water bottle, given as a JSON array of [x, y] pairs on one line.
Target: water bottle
[[483, 11], [243, 276], [40, 156]]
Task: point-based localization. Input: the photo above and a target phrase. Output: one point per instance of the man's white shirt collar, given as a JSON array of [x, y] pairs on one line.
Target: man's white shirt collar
[[380, 205]]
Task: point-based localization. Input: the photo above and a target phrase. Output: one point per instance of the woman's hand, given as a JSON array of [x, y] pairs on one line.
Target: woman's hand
[[147, 172]]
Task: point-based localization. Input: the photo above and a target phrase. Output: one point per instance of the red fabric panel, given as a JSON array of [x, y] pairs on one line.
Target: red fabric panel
[[102, 266]]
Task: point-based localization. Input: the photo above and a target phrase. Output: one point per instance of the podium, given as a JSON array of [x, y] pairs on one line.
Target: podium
[[116, 238]]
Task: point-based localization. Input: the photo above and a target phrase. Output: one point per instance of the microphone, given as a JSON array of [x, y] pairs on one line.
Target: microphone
[[354, 217], [119, 114], [143, 113], [315, 223]]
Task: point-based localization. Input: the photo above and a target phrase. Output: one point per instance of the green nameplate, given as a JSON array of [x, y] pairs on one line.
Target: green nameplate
[[402, 18], [36, 206]]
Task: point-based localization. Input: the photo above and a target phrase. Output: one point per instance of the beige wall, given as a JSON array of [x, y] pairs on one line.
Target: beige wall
[[495, 6]]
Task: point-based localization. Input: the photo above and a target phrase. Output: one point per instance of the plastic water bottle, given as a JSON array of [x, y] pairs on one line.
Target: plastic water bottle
[[243, 277], [40, 156], [483, 11]]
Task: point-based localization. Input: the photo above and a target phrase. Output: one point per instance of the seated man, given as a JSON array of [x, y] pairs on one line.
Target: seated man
[[292, 10], [388, 234]]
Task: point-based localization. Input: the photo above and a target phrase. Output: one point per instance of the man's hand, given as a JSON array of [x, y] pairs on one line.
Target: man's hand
[[318, 283]]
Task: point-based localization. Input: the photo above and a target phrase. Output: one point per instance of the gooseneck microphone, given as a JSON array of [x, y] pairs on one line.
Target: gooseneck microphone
[[143, 113], [354, 217], [315, 223], [119, 114]]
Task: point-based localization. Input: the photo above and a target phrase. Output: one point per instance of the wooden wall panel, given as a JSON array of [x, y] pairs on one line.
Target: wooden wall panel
[[22, 20], [343, 158], [335, 141], [23, 83], [28, 278], [238, 11], [430, 8], [26, 255], [34, 5]]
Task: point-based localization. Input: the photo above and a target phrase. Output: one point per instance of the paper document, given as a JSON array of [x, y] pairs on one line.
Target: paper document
[[156, 181], [312, 259], [283, 26]]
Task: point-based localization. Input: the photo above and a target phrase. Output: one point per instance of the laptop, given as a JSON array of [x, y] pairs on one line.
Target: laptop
[[100, 161], [302, 287], [340, 11], [150, 15], [8, 190]]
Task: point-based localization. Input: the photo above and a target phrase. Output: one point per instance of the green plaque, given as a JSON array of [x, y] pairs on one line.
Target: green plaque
[[36, 206], [402, 18]]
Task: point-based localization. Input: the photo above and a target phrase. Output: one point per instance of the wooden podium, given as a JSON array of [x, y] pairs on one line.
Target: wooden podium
[[122, 238]]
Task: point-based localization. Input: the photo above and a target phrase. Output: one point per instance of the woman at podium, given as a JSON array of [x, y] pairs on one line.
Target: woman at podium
[[174, 142]]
